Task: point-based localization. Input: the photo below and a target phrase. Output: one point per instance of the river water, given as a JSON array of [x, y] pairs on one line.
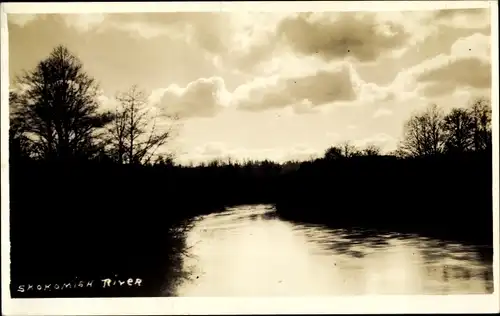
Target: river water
[[247, 251]]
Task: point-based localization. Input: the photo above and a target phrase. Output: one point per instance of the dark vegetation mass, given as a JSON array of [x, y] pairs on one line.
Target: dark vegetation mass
[[91, 198]]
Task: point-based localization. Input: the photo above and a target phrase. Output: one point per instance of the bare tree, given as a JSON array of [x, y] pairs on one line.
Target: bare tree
[[458, 131], [349, 150], [57, 109], [481, 125], [371, 150], [423, 135], [134, 138]]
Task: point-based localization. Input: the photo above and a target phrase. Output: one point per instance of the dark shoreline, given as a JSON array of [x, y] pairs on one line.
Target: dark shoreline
[[480, 236], [443, 197]]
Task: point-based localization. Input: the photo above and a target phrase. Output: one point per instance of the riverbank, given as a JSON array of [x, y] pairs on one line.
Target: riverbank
[[94, 223], [443, 197]]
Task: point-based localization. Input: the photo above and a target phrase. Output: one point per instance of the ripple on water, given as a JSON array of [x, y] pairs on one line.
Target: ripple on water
[[248, 251]]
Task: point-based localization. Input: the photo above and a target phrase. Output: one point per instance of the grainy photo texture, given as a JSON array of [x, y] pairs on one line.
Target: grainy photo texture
[[250, 154]]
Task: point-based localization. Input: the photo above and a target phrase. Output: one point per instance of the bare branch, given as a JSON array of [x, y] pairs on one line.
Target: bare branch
[[423, 134], [135, 136]]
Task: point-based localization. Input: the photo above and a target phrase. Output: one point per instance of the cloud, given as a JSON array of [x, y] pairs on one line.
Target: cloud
[[335, 36], [204, 29], [106, 103], [468, 66], [117, 58], [240, 39], [288, 64], [84, 22], [475, 18], [245, 40], [204, 97], [371, 92], [236, 41], [314, 87], [311, 87], [307, 91], [304, 107], [451, 73], [477, 45]]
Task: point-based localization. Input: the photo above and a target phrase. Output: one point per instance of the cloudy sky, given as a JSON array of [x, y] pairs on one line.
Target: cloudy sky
[[275, 85]]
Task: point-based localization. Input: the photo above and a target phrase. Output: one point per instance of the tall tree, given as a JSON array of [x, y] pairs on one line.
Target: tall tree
[[481, 124], [458, 131], [423, 135], [134, 137], [57, 109]]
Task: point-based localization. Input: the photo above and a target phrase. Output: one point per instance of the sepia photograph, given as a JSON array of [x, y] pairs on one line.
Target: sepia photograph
[[166, 151]]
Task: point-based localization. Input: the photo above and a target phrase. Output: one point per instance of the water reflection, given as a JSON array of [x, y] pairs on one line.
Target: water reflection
[[247, 251]]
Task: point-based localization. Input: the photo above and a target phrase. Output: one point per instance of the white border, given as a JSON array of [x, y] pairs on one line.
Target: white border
[[300, 305]]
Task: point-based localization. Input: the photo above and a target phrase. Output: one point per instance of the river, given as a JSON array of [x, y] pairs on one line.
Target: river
[[247, 251]]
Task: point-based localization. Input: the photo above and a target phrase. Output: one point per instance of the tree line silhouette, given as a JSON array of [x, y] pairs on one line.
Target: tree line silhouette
[[91, 197], [438, 181]]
